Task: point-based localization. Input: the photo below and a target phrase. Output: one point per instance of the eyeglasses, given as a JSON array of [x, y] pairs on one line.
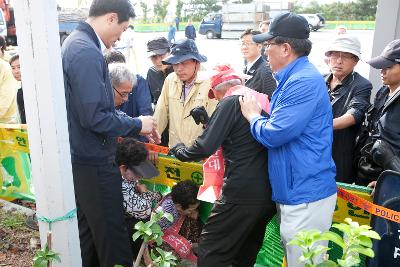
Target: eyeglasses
[[123, 95], [247, 44], [268, 44], [341, 55]]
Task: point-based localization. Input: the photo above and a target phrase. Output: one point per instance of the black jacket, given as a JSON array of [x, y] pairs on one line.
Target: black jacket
[[387, 109], [351, 97], [156, 78], [246, 171], [93, 122], [262, 80]]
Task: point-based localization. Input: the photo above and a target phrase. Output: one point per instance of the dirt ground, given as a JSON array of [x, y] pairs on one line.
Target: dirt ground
[[18, 243]]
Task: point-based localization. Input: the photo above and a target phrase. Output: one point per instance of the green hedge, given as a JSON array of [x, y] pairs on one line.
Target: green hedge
[[351, 25], [163, 27], [159, 27]]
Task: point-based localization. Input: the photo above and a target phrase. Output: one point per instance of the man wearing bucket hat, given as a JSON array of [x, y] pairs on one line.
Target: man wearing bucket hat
[[157, 49], [385, 115], [349, 93], [298, 134], [183, 90], [233, 233]]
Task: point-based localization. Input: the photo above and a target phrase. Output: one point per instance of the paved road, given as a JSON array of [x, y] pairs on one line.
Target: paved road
[[228, 50]]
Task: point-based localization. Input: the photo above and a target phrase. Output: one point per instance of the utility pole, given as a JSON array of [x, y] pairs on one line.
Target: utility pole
[[42, 80]]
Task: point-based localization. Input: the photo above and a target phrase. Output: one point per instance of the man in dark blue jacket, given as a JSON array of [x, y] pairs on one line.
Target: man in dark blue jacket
[[139, 102], [94, 126], [190, 31]]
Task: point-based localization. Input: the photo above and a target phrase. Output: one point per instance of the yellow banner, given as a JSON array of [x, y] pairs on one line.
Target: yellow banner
[[173, 171], [346, 209], [15, 168], [14, 137]]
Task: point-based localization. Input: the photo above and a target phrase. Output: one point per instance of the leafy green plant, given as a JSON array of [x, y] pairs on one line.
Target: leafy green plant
[[152, 232], [45, 256], [356, 241], [163, 259]]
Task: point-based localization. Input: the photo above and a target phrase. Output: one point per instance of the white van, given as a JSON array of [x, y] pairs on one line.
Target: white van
[[3, 25], [315, 21]]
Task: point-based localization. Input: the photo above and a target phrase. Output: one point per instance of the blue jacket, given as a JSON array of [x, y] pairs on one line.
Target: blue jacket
[[298, 135], [139, 102], [171, 33], [93, 122], [190, 32]]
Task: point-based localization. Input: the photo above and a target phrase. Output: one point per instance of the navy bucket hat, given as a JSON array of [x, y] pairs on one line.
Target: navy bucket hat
[[182, 50]]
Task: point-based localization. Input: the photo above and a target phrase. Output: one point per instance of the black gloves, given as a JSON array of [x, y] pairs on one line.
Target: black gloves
[[199, 115], [177, 151], [383, 155]]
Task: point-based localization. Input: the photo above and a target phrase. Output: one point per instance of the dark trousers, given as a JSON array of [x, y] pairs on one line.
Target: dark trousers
[[102, 231], [233, 234]]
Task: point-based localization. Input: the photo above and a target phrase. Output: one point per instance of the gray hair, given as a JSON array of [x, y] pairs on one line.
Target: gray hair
[[120, 73], [228, 84]]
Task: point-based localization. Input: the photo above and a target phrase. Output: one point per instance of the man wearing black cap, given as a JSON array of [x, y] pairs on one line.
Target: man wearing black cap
[[385, 115], [298, 134], [182, 91], [157, 49]]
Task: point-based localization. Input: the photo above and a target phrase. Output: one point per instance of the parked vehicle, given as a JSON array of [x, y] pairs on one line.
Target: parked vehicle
[[8, 16], [68, 19], [315, 21], [233, 20], [3, 26]]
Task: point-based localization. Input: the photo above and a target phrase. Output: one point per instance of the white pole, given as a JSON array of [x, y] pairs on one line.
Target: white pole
[[42, 80]]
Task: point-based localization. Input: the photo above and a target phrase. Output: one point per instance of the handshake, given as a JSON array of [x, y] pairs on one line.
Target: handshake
[[149, 129]]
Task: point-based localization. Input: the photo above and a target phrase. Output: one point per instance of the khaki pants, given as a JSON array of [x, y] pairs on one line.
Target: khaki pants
[[307, 216]]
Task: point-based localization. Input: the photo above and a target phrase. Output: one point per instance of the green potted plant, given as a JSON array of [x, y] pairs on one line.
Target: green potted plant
[[151, 232], [356, 240]]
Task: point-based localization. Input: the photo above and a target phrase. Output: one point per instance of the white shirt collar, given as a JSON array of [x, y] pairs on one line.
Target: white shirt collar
[[103, 47], [250, 64]]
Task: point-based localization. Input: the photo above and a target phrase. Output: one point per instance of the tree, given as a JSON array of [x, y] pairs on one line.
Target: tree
[[160, 9], [354, 10], [200, 8], [82, 2], [145, 10], [179, 6]]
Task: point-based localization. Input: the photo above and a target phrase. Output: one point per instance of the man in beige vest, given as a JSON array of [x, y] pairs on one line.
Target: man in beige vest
[[183, 90]]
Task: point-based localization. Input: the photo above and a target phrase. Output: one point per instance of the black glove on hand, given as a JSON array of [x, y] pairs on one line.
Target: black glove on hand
[[384, 155], [174, 151], [199, 115]]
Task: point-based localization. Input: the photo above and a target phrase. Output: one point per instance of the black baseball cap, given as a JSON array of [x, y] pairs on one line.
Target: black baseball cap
[[145, 170], [287, 24], [157, 46], [389, 56]]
